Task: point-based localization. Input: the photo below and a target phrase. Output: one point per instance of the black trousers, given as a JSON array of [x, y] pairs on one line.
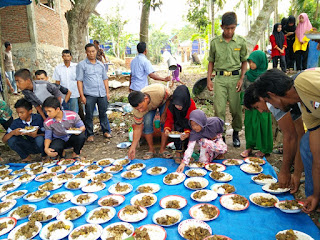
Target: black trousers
[[75, 141], [282, 62], [180, 145], [301, 59], [6, 124]]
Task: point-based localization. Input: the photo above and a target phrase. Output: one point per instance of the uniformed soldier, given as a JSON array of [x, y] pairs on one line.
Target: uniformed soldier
[[228, 53]]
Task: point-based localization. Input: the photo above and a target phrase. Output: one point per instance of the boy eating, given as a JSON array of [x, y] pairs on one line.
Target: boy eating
[[56, 137], [35, 91], [25, 142]]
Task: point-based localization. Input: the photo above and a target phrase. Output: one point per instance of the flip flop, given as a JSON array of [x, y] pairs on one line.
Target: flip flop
[[259, 154], [246, 153], [165, 154], [148, 155]]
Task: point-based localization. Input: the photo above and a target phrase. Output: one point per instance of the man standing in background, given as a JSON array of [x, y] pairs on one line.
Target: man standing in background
[[100, 52], [65, 75], [8, 66]]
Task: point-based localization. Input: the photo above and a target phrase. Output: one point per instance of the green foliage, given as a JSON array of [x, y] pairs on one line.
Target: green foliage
[[157, 41], [98, 28], [306, 6]]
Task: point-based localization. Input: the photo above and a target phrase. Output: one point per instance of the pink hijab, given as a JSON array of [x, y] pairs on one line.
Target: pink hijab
[[302, 28]]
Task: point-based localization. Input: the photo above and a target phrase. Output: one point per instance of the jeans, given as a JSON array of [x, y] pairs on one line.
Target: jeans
[[102, 105], [282, 62], [148, 120], [25, 146], [12, 81], [75, 141], [72, 105], [307, 159]]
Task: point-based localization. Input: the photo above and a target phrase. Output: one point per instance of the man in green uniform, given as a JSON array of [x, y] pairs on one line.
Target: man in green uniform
[[228, 53]]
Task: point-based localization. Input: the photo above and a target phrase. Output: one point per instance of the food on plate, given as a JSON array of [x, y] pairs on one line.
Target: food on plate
[[170, 177], [232, 162], [213, 167], [8, 186], [121, 188], [74, 168], [130, 175], [4, 225], [197, 164], [74, 129], [60, 225], [7, 177], [256, 160], [228, 188], [288, 235], [175, 132], [194, 173], [254, 167], [173, 204], [3, 167], [22, 211], [194, 185], [199, 194], [102, 213], [48, 161], [104, 162], [15, 195], [93, 168], [116, 168], [4, 172], [274, 186], [262, 176], [196, 233], [37, 194], [73, 185], [109, 202], [145, 189], [4, 206], [156, 170], [167, 220], [49, 186], [58, 198], [56, 169], [83, 198], [209, 211], [29, 128], [142, 234], [66, 162], [35, 165], [82, 175], [136, 166], [27, 231], [46, 177], [217, 175], [84, 232], [237, 199], [124, 162], [118, 231], [64, 176], [20, 171], [40, 216], [37, 170], [264, 201], [130, 209], [145, 201], [25, 177], [72, 213], [95, 185], [290, 204], [216, 237]]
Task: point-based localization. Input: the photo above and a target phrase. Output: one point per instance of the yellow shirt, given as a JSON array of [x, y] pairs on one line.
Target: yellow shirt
[[297, 45]]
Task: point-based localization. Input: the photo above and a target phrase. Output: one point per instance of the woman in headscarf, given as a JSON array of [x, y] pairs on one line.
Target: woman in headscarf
[[178, 112], [278, 45], [289, 31], [301, 43], [258, 126], [207, 132]]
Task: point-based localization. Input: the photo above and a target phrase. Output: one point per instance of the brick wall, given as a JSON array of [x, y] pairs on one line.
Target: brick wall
[[14, 24], [50, 27]]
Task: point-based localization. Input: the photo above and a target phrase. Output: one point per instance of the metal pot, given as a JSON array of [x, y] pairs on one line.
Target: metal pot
[[118, 72]]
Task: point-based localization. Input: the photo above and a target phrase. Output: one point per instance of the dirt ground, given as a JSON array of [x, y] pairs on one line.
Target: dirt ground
[[102, 147]]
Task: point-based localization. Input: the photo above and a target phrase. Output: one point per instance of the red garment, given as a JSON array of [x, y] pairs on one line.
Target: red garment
[[256, 47], [169, 121], [274, 50]]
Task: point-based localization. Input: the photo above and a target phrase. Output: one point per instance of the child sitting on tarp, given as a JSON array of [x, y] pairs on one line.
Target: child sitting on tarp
[[25, 142], [207, 132], [56, 137]]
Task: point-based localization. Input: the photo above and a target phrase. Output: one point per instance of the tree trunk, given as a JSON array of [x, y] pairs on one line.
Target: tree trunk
[[317, 10], [77, 19], [260, 24], [276, 14], [212, 18], [144, 21]]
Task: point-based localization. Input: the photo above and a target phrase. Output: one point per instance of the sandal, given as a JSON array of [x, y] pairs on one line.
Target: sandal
[[246, 153], [165, 155], [259, 154], [148, 155], [278, 150], [177, 160]]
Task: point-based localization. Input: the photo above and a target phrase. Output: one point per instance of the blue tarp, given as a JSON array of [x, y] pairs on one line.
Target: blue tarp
[[5, 3], [252, 223]]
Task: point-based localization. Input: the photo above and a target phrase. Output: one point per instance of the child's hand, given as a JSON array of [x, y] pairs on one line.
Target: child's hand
[[184, 136], [32, 134], [51, 152], [17, 132], [181, 168], [166, 132]]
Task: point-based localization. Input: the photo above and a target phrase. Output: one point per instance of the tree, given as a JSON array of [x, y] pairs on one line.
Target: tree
[[98, 28], [77, 19], [158, 40], [144, 20]]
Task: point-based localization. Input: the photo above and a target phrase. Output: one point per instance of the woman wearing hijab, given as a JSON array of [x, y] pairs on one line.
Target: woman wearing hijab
[[178, 112], [300, 45], [289, 31], [207, 132], [278, 45], [258, 126]]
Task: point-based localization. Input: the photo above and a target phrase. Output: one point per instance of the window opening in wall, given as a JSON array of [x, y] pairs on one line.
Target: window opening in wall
[[48, 3]]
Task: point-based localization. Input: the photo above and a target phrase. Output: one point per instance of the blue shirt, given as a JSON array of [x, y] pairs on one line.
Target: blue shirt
[[92, 76], [140, 69], [35, 120]]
